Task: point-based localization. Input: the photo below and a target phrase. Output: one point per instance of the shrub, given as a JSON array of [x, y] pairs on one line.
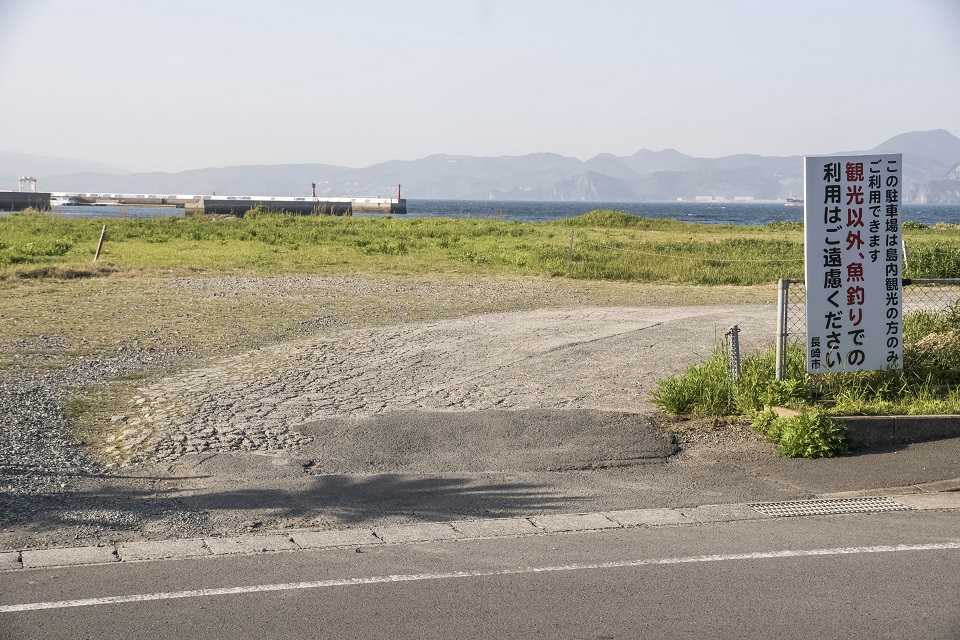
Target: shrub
[[767, 424], [812, 434]]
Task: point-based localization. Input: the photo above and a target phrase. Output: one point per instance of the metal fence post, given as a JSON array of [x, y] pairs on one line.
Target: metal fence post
[[783, 298], [734, 334]]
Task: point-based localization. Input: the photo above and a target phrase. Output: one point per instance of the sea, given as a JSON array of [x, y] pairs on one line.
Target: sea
[[735, 213]]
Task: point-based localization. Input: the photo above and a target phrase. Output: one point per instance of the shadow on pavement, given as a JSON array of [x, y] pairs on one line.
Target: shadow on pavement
[[335, 501]]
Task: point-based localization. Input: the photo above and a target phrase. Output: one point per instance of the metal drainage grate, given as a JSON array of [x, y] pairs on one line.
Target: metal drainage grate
[[827, 507]]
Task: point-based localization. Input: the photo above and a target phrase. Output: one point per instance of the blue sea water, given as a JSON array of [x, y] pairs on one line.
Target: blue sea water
[[736, 213]]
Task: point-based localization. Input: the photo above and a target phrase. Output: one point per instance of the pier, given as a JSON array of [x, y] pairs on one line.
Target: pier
[[204, 204]]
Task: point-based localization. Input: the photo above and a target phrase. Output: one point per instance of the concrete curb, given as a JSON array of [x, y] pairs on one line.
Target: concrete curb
[[887, 431], [414, 533]]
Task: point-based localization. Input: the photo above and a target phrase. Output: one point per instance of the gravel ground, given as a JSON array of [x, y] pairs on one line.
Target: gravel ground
[[40, 462], [256, 403]]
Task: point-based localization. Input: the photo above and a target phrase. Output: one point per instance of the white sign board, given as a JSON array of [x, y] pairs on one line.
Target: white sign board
[[852, 262]]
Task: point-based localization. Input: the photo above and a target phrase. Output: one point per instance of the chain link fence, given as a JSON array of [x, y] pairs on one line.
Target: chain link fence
[[935, 296]]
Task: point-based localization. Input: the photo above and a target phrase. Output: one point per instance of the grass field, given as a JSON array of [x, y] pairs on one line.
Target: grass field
[[607, 245], [211, 287], [420, 267]]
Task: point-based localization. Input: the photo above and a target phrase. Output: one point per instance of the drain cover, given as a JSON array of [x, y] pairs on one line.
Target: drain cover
[[827, 507]]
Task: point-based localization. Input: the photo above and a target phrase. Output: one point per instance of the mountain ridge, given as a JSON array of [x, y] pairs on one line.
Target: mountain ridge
[[930, 161]]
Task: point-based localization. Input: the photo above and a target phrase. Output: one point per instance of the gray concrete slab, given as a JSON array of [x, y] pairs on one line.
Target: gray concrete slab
[[40, 558], [161, 550], [496, 527], [335, 538], [867, 493], [426, 532], [949, 500], [648, 517], [10, 560], [723, 513], [952, 484], [250, 544], [574, 522]]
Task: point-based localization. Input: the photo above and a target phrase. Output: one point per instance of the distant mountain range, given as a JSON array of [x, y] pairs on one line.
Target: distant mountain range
[[931, 170]]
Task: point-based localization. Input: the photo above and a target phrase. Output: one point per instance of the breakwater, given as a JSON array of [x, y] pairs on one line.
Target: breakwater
[[209, 204], [19, 200]]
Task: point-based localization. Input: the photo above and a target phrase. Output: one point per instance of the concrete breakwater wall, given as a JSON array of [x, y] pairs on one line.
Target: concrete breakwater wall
[[200, 204], [19, 200], [239, 205]]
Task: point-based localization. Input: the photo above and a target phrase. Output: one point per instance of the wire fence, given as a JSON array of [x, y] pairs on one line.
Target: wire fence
[[932, 295]]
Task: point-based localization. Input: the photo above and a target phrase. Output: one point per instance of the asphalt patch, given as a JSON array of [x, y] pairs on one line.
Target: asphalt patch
[[485, 441]]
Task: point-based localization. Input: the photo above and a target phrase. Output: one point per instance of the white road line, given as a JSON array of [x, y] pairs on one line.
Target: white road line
[[345, 582]]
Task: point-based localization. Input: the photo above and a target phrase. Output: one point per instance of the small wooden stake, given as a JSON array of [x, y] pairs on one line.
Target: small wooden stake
[[570, 250], [103, 232]]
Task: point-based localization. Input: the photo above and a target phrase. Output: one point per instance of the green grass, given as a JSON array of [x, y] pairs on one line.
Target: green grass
[[927, 385], [608, 245]]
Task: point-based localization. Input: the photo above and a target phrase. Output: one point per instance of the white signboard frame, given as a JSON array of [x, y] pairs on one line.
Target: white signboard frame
[[852, 262]]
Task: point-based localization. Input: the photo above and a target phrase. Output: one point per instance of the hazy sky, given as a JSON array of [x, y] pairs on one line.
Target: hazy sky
[[168, 85]]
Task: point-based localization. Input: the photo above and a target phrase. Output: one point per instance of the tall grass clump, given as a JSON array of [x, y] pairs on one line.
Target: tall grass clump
[[608, 219], [702, 390], [932, 344], [927, 384], [708, 390], [933, 260]]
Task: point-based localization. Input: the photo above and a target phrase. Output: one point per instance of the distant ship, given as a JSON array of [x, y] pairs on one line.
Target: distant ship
[[794, 202], [63, 201]]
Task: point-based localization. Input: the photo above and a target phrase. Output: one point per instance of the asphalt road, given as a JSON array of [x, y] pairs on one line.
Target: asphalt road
[[892, 575]]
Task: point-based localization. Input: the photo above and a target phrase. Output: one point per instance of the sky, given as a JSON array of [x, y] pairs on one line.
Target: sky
[[171, 85]]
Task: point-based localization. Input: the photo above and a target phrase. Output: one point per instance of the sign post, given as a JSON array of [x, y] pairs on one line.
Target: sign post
[[852, 262]]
